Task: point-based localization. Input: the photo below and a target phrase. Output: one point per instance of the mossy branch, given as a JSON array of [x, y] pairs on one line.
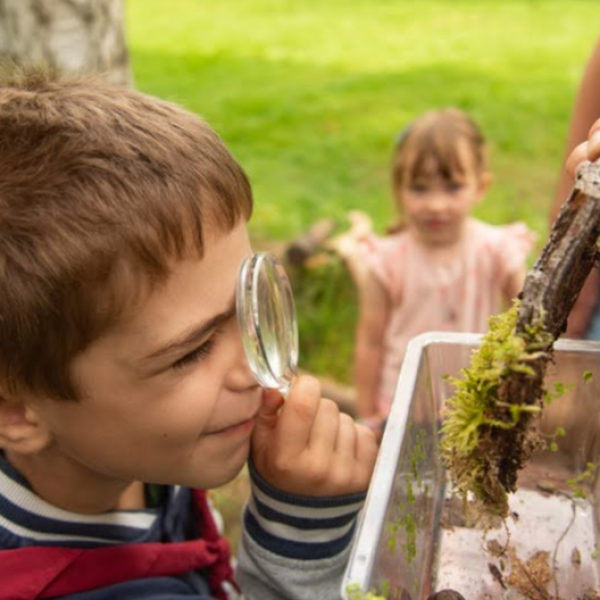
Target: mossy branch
[[478, 407], [488, 434]]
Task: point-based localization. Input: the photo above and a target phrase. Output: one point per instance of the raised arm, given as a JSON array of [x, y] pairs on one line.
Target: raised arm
[[373, 316], [311, 466], [585, 111]]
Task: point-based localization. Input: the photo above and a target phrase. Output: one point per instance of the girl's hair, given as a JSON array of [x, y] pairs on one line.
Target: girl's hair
[[101, 189], [431, 146]]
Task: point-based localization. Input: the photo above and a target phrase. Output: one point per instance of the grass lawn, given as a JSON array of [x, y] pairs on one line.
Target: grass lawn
[[310, 96]]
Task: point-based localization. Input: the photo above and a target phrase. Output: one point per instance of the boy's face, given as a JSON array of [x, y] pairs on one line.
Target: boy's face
[[435, 208], [167, 397]]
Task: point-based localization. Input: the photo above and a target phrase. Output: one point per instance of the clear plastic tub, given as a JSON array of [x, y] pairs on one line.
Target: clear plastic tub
[[413, 539]]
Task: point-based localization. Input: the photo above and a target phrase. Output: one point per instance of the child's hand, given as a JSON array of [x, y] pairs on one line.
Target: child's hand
[[376, 423], [346, 244], [588, 150], [308, 447]]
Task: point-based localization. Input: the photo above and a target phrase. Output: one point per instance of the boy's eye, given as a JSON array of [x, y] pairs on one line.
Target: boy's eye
[[418, 188], [195, 355]]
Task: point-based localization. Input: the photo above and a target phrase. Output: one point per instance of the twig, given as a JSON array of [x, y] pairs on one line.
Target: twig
[[549, 293]]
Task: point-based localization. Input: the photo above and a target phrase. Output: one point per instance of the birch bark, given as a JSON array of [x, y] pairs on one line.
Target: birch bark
[[81, 36]]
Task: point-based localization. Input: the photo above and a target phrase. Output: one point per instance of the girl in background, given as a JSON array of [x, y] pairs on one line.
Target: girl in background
[[442, 270]]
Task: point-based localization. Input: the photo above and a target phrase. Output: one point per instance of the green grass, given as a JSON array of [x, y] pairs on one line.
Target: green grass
[[310, 96]]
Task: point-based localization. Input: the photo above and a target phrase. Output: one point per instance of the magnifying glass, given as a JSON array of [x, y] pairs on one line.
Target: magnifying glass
[[267, 321]]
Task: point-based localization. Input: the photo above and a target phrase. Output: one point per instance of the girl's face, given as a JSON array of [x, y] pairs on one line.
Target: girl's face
[[435, 208]]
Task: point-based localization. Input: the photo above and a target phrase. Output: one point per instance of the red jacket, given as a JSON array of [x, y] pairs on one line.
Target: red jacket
[[52, 571]]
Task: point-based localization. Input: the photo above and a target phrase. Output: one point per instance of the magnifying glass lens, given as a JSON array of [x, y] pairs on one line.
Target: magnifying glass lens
[[267, 321]]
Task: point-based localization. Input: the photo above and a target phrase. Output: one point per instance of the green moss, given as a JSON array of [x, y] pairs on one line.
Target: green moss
[[476, 407], [575, 484], [559, 390], [410, 495], [418, 454], [410, 543], [406, 519], [392, 542]]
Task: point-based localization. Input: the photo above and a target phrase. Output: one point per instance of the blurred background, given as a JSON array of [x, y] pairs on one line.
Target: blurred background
[[310, 97]]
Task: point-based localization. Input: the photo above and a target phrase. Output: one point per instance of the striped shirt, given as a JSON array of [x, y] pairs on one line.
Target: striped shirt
[[299, 528]]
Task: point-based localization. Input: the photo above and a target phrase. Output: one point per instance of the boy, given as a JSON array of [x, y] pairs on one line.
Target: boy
[[122, 375]]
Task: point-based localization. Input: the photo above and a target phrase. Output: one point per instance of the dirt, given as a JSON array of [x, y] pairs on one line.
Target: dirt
[[533, 578], [530, 578]]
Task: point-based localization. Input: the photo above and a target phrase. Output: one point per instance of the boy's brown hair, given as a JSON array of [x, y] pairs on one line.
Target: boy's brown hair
[[96, 182], [431, 147]]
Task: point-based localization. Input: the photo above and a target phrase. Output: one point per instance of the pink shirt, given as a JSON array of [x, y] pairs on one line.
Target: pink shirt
[[447, 290]]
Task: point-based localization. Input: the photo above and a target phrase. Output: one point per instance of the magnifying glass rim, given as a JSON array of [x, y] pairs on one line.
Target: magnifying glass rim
[[249, 284]]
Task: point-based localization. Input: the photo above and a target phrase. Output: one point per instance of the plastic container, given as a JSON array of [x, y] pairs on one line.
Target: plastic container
[[413, 540]]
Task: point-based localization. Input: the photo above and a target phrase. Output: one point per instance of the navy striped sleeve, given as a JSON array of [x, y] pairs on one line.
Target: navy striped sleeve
[[300, 527]]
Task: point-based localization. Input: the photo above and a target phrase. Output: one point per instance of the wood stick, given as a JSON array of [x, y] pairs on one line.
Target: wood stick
[[549, 293], [309, 242]]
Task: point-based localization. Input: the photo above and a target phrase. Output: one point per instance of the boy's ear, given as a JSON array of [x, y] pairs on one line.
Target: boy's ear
[[21, 429]]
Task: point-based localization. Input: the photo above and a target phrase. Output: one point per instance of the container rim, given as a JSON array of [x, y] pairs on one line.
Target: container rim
[[371, 522]]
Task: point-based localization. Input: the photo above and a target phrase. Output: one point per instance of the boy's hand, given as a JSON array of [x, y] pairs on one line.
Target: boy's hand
[[305, 446], [588, 150]]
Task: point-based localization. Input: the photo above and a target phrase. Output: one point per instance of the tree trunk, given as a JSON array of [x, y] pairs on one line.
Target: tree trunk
[[76, 36]]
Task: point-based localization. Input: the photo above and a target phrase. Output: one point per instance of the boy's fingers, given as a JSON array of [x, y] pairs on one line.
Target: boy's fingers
[[299, 413], [272, 401], [366, 454], [345, 445], [267, 417], [325, 429], [342, 470]]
